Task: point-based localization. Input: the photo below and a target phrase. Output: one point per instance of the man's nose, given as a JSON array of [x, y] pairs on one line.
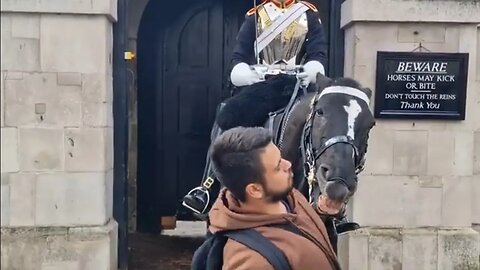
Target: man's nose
[[287, 165]]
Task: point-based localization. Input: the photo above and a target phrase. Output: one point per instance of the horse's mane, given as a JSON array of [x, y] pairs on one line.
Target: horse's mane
[[346, 82], [323, 82]]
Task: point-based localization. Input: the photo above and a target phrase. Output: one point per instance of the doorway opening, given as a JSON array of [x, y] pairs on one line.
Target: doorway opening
[[181, 73]]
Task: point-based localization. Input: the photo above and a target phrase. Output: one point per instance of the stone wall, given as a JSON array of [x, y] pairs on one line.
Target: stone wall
[[419, 192], [57, 135]]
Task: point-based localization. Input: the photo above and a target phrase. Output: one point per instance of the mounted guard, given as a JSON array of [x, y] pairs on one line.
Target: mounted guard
[[280, 49], [276, 36]]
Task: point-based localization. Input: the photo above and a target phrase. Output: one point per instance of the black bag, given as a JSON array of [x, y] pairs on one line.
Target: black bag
[[209, 256]]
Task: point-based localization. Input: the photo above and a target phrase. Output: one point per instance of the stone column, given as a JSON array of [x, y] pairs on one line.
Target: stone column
[[57, 135], [420, 193]]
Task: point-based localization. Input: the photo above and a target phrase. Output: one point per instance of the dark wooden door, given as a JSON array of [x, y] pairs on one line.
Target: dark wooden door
[[192, 64], [184, 52]]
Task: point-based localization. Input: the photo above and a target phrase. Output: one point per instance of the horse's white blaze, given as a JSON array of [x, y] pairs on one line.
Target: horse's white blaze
[[353, 110]]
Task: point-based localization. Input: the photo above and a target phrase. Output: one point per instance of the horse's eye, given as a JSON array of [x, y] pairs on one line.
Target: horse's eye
[[319, 112]]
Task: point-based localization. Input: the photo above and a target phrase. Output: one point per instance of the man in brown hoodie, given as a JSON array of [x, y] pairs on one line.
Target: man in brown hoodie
[[259, 192]]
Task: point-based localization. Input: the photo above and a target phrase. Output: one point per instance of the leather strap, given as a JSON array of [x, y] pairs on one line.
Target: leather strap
[[256, 241]]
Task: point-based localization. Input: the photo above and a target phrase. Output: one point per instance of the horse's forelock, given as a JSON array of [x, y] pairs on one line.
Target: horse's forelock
[[338, 102], [346, 82], [349, 82]]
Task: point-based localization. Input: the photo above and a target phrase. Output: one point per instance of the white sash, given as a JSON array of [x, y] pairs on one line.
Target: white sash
[[279, 25]]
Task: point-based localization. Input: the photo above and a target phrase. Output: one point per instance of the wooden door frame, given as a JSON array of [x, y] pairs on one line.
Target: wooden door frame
[[336, 46], [120, 132]]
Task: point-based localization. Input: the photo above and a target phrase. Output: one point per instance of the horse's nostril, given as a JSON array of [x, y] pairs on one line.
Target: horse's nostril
[[324, 171], [353, 188], [337, 191]]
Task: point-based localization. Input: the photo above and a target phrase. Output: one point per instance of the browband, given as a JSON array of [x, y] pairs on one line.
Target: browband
[[347, 91]]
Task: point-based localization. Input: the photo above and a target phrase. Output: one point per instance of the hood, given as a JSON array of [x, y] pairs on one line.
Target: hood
[[227, 214]]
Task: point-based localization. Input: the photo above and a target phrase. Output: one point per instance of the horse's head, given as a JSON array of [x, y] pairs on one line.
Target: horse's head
[[337, 131]]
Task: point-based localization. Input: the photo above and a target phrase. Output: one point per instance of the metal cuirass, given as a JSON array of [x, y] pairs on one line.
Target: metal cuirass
[[285, 47]]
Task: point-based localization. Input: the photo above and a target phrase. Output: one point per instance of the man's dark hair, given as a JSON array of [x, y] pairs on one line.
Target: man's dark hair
[[235, 157]]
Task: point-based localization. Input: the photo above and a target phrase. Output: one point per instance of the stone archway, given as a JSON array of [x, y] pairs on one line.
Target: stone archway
[[233, 14]]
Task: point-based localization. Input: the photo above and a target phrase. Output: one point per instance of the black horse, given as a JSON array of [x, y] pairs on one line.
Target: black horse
[[323, 131]]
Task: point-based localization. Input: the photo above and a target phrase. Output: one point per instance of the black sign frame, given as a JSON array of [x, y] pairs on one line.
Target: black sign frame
[[461, 74]]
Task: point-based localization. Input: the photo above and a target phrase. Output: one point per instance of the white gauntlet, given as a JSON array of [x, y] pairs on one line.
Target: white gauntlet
[[312, 68], [243, 75]]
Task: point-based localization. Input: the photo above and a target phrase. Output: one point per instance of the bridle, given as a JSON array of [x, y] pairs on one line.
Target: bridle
[[310, 155]]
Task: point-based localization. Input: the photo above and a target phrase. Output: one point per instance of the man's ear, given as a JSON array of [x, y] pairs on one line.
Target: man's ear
[[254, 190], [322, 82]]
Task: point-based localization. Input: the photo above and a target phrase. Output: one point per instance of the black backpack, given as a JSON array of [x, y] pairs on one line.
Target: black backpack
[[209, 256]]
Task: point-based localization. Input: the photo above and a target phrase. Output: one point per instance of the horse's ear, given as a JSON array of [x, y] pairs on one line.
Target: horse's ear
[[368, 91], [322, 82]]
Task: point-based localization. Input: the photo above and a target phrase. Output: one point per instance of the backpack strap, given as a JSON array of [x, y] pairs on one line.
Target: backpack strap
[[288, 227], [294, 229], [256, 241]]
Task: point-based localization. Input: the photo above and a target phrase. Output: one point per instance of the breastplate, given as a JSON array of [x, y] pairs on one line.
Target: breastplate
[[286, 46]]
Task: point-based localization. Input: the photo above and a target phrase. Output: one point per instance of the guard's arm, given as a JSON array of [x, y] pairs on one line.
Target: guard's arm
[[243, 55], [315, 45], [243, 51]]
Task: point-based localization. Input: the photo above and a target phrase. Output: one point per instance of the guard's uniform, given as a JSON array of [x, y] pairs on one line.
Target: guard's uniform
[[308, 33]]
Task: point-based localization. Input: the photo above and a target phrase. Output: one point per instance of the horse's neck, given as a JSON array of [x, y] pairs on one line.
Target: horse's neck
[[293, 130]]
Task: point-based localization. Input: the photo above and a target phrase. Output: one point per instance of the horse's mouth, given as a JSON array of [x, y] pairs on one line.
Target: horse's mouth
[[330, 197], [329, 206]]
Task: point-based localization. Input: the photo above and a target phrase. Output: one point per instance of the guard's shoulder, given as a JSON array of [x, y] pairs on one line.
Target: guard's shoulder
[[310, 6], [254, 9]]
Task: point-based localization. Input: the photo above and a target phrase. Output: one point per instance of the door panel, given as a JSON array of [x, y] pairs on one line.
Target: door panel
[[191, 88]]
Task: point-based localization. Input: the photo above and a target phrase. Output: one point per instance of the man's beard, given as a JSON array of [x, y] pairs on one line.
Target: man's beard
[[276, 196]]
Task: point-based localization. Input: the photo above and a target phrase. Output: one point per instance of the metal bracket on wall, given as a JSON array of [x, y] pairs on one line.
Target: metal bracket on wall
[[129, 55], [421, 48]]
